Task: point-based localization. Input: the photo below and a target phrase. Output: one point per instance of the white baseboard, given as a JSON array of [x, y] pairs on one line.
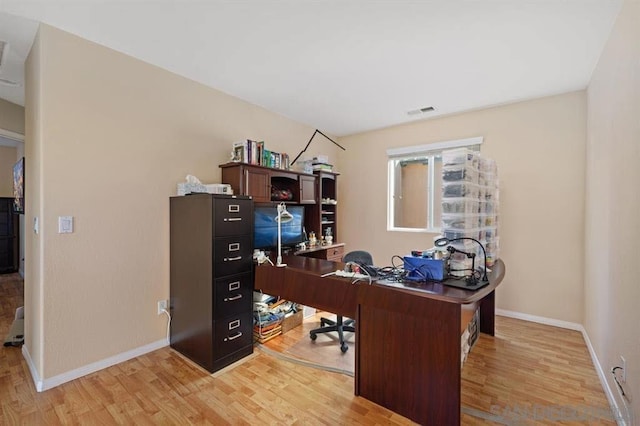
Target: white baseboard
[[541, 320], [578, 327], [43, 385], [32, 368], [617, 412]]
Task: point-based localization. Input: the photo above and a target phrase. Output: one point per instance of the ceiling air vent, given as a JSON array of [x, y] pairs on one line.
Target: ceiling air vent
[[421, 110]]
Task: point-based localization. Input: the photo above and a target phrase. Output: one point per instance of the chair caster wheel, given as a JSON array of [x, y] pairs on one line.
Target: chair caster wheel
[[344, 348], [313, 336]]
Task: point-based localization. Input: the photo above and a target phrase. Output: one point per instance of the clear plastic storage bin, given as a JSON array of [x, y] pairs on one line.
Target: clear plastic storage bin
[[484, 207], [459, 173], [487, 220], [461, 221], [451, 234], [460, 157], [460, 205], [459, 189]]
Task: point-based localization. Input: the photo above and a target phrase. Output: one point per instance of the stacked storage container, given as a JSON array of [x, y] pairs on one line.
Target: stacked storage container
[[470, 206]]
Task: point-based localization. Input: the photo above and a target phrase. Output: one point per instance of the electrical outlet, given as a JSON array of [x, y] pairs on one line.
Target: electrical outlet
[[162, 305], [623, 364]]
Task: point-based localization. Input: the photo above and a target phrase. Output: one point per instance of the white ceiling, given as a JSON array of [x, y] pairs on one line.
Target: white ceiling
[[340, 66]]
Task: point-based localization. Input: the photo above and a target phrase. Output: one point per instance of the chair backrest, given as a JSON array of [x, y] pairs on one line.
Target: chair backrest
[[360, 256]]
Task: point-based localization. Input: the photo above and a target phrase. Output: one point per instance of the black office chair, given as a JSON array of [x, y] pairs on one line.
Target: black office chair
[[341, 325]]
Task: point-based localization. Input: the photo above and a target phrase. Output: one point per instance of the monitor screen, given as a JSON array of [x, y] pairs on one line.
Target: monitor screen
[[265, 227]]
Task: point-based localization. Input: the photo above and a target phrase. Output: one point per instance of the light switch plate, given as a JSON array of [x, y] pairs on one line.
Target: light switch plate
[[65, 224]]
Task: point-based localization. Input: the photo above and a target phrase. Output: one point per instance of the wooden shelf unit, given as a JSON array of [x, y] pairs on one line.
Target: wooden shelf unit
[[324, 214], [310, 190], [259, 182]]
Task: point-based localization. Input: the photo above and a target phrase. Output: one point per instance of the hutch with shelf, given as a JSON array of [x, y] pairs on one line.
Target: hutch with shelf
[[262, 183], [317, 192]]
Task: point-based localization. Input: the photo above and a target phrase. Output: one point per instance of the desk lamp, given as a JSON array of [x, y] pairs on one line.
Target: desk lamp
[[441, 242], [283, 217]]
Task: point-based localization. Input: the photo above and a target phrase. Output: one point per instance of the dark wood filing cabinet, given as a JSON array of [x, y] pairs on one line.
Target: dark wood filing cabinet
[[211, 278], [9, 237]]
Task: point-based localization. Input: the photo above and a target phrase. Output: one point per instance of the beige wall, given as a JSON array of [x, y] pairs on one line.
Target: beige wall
[[7, 160], [539, 146], [33, 257], [11, 117], [112, 136], [612, 225]]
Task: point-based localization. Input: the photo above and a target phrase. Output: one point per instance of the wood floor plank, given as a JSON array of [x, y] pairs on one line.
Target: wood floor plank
[[525, 370]]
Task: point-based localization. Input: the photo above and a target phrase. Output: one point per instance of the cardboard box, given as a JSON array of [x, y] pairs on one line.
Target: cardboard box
[[292, 321]]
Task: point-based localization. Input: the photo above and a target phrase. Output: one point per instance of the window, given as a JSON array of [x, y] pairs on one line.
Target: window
[[415, 185]]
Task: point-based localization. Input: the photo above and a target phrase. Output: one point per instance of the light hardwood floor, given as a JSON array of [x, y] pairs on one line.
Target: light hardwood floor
[[526, 370]]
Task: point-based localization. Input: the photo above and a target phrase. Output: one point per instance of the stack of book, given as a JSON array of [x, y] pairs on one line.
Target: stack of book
[[254, 152], [323, 166], [321, 162]]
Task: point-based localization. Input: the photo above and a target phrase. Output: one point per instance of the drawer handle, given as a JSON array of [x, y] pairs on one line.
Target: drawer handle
[[234, 337], [234, 246], [232, 219], [234, 324], [234, 208], [231, 299], [232, 259], [234, 285]]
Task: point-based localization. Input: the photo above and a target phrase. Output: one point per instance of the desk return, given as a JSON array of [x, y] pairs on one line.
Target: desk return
[[408, 338]]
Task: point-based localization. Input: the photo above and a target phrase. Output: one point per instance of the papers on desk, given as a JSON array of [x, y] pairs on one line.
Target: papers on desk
[[345, 274]]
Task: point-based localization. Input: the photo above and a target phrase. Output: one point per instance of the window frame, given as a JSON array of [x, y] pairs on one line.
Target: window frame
[[430, 152]]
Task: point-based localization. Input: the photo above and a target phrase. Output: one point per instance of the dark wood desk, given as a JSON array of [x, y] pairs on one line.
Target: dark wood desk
[[408, 337], [300, 282]]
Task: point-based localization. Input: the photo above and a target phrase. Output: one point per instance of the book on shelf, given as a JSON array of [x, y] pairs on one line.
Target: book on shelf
[[259, 151], [255, 152], [240, 151], [246, 151], [323, 166]]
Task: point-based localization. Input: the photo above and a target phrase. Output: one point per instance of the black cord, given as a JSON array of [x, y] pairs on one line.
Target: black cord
[[392, 273], [615, 378], [309, 143]]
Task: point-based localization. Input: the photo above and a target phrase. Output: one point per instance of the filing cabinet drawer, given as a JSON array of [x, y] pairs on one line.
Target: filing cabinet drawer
[[232, 295], [232, 334], [232, 255], [233, 217]]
